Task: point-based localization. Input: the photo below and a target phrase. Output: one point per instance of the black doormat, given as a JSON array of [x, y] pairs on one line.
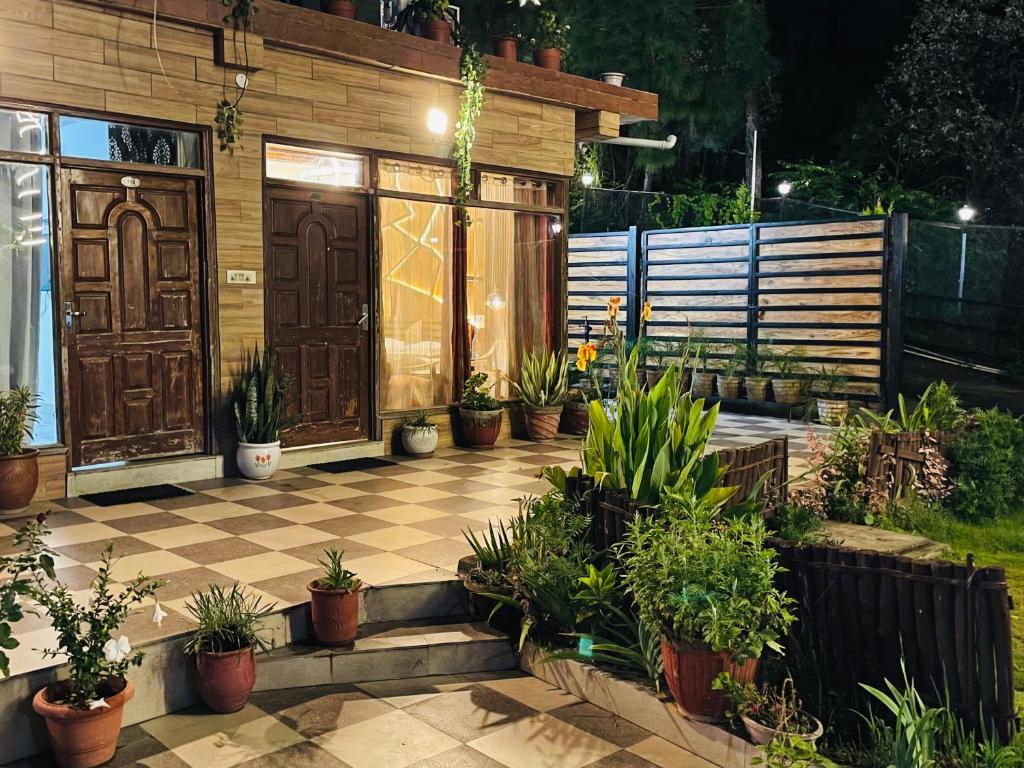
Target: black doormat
[[352, 465], [130, 495]]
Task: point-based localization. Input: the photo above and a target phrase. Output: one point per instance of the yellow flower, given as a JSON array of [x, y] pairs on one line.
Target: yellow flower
[[586, 353], [581, 364], [645, 314], [613, 307]]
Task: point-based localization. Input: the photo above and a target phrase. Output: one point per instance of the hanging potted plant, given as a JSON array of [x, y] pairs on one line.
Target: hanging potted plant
[[707, 583], [259, 404], [228, 634], [19, 465], [542, 386], [419, 436], [346, 9], [728, 380], [786, 383], [552, 40], [479, 413], [84, 712], [829, 385], [334, 602], [767, 712]]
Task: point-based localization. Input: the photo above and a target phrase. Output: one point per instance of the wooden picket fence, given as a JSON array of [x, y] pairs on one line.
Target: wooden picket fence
[[896, 458]]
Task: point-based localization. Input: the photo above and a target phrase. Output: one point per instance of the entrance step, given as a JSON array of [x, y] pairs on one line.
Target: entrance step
[[390, 651], [304, 455], [138, 474]]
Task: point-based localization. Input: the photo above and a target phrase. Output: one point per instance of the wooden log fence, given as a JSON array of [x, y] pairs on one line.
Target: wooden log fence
[[895, 459]]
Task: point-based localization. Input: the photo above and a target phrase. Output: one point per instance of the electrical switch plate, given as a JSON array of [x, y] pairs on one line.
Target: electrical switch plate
[[241, 277]]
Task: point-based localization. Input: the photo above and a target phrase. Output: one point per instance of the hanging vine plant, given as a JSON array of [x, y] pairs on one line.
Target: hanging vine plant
[[472, 102], [229, 115]]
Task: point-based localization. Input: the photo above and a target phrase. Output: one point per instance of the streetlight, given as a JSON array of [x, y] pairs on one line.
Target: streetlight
[[785, 188], [966, 214]]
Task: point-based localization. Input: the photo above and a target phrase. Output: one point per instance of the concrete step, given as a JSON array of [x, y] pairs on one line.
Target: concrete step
[[390, 651]]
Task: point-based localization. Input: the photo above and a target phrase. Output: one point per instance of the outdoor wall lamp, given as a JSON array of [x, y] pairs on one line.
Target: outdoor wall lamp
[[587, 179], [785, 188], [437, 121]]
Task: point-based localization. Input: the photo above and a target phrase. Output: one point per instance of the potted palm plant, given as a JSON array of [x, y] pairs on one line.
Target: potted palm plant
[[334, 602], [703, 382], [542, 386], [479, 413], [829, 384], [19, 465], [786, 384], [552, 40], [728, 379], [707, 582], [258, 408], [755, 382], [229, 632], [419, 436], [84, 712]]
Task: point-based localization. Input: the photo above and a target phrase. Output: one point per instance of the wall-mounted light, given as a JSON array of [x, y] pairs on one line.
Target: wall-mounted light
[[587, 178], [495, 301], [785, 188], [966, 213], [437, 121], [556, 227]]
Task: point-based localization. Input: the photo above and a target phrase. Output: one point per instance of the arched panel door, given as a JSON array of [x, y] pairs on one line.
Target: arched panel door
[[317, 305], [130, 268]]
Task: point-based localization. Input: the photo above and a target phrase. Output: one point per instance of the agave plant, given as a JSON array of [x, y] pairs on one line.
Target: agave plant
[[543, 379], [260, 400]]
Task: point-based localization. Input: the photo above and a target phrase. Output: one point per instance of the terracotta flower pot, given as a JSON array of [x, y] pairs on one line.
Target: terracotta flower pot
[[832, 411], [480, 428], [576, 417], [226, 679], [344, 8], [19, 476], [729, 387], [757, 388], [335, 614], [703, 384], [548, 58], [438, 30], [787, 391], [542, 421], [82, 738], [690, 672], [507, 48]]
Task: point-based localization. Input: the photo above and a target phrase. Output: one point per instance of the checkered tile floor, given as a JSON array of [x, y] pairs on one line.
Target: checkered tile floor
[[472, 721], [396, 524]]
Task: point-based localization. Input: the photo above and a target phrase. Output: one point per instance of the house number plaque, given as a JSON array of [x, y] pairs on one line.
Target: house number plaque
[[130, 181]]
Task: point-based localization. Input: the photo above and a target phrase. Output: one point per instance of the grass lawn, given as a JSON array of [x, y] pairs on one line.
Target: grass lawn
[[993, 542]]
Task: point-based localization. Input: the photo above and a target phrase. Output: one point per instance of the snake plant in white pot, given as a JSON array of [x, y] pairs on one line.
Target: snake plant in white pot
[[259, 407], [543, 385]]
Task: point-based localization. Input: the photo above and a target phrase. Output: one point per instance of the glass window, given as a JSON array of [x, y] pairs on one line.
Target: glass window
[[506, 188], [509, 299], [416, 303], [23, 131], [123, 143], [26, 308], [415, 178], [315, 166]]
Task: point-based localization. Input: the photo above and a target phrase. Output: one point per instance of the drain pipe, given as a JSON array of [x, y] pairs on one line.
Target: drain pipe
[[627, 141]]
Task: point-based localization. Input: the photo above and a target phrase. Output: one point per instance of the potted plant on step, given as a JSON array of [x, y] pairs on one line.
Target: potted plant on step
[[786, 384], [229, 632], [829, 384], [479, 413], [707, 582], [552, 40], [728, 379], [84, 711], [334, 602], [419, 436], [485, 574], [346, 9], [258, 408], [542, 386], [767, 712], [19, 465]]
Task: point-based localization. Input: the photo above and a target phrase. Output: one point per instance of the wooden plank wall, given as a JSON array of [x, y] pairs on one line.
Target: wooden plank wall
[[818, 286], [599, 267]]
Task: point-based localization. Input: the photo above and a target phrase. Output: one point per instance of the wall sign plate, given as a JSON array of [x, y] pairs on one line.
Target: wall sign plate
[[131, 182]]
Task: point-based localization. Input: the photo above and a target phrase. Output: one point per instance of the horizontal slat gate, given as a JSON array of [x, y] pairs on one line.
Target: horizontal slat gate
[[600, 266]]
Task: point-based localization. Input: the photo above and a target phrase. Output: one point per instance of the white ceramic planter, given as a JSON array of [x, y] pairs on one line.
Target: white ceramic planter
[[258, 461], [613, 78], [419, 441]]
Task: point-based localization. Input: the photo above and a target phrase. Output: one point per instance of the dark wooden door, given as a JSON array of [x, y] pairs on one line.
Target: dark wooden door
[[130, 266], [317, 303]]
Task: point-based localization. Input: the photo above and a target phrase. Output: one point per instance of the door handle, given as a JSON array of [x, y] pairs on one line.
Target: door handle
[[364, 320], [70, 314]]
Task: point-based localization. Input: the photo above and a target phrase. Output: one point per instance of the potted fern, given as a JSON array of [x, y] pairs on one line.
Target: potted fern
[[419, 436], [479, 413], [228, 634], [334, 602], [19, 465], [542, 386], [258, 408], [829, 385]]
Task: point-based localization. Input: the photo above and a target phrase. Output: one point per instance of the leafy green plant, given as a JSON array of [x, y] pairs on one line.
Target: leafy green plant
[[987, 462], [17, 416], [260, 400], [493, 549], [84, 629], [29, 555], [795, 522], [786, 363], [775, 707], [543, 379], [700, 348], [476, 394], [912, 739], [420, 421], [732, 365], [435, 10], [938, 409], [227, 619], [336, 575], [551, 32], [706, 580], [788, 750], [471, 104], [830, 382]]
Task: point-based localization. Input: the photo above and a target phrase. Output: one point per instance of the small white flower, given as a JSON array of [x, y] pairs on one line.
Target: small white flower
[[99, 704], [159, 614], [116, 651]]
